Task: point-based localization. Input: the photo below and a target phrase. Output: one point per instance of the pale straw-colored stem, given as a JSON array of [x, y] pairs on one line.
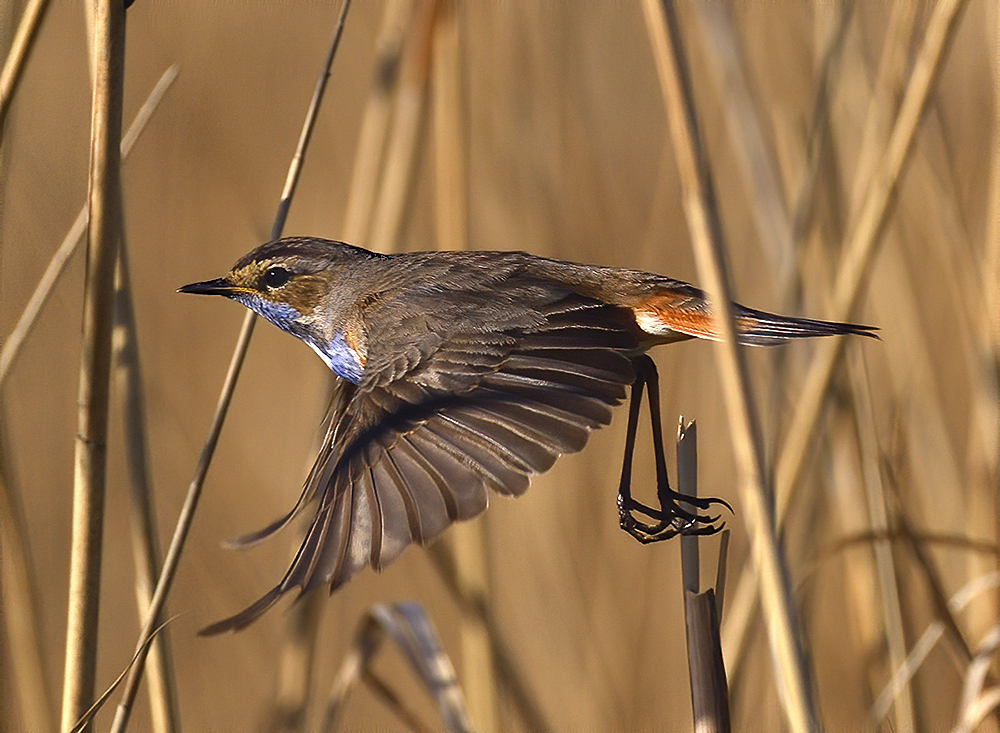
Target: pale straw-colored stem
[[142, 520], [13, 65], [12, 345], [863, 240], [95, 365], [699, 208], [229, 385]]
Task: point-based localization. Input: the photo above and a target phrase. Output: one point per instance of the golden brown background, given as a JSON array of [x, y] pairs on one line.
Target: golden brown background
[[567, 154]]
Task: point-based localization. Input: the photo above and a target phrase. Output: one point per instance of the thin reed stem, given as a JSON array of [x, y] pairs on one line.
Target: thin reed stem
[[13, 65], [229, 385], [863, 240], [95, 364], [142, 520], [706, 235], [12, 345]]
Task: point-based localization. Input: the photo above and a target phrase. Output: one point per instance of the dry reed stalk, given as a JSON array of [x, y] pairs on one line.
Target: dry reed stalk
[[142, 521], [889, 81], [706, 670], [991, 279], [687, 484], [451, 184], [699, 208], [366, 176], [229, 385], [20, 47], [95, 365], [727, 67], [863, 240], [13, 343], [406, 132], [904, 717], [509, 675], [19, 612]]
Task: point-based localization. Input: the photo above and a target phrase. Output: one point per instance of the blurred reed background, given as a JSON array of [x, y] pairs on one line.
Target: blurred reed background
[[539, 127]]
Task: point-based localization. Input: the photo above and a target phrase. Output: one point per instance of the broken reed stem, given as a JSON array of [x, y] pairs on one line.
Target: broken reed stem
[[707, 673], [701, 214], [142, 520], [95, 364], [13, 65], [709, 688], [12, 345], [229, 385]]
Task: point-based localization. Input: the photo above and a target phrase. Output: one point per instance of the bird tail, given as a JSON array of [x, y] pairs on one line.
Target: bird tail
[[758, 328]]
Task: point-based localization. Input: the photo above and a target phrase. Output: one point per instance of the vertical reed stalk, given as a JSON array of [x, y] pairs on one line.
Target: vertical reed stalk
[[863, 240], [222, 407], [142, 519], [699, 208], [95, 364]]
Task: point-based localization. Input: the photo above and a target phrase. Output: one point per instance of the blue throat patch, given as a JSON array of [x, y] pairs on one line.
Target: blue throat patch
[[341, 358]]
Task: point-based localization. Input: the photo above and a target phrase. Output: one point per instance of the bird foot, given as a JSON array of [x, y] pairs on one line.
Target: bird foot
[[670, 520]]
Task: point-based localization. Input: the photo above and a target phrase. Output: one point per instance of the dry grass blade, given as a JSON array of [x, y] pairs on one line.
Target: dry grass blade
[[13, 65], [976, 703], [12, 345], [408, 626], [95, 365], [145, 547], [229, 385], [88, 716], [934, 631], [699, 208]]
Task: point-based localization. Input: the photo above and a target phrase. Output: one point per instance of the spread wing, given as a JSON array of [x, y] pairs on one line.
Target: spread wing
[[418, 445]]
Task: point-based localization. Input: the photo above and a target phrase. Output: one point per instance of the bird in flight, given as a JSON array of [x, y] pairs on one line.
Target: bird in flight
[[464, 373]]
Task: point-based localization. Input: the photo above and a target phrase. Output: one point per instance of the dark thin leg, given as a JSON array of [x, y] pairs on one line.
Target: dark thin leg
[[670, 519]]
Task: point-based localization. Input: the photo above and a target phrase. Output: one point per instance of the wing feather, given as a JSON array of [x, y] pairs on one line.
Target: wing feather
[[417, 445]]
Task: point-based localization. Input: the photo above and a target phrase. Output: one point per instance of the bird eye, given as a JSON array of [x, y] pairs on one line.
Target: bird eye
[[276, 277]]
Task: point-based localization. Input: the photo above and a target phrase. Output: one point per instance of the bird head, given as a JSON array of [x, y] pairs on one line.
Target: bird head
[[287, 281], [304, 286]]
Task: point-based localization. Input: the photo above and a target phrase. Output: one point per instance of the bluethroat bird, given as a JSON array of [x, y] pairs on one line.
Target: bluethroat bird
[[465, 372]]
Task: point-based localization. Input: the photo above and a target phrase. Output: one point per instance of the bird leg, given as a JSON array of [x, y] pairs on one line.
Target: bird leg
[[670, 519]]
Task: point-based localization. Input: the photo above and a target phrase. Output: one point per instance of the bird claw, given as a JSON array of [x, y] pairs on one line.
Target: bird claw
[[670, 520]]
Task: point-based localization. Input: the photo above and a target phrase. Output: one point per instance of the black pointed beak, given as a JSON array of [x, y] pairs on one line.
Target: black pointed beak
[[219, 286]]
